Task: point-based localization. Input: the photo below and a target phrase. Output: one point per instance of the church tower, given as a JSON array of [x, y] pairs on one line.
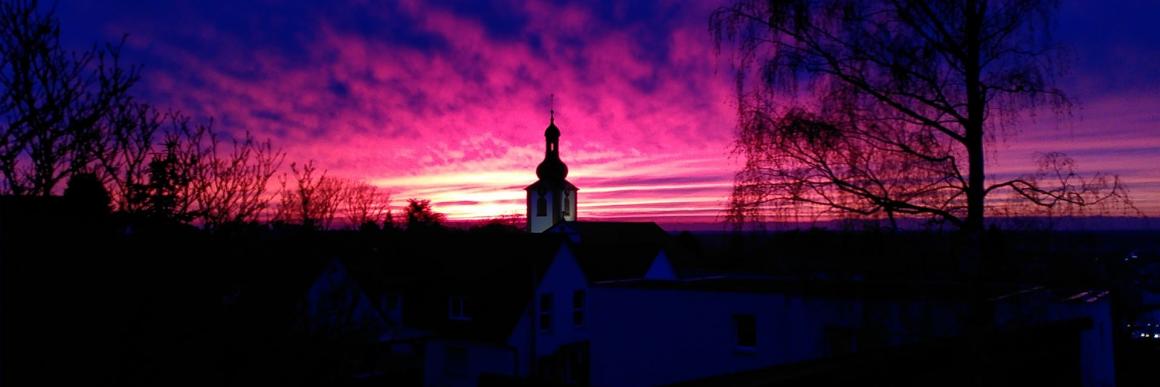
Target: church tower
[[552, 199]]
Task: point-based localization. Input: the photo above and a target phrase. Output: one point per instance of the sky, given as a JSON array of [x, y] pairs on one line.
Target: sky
[[448, 101]]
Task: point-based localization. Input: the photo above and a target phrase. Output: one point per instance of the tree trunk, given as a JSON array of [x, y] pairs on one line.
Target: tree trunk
[[976, 100], [982, 312]]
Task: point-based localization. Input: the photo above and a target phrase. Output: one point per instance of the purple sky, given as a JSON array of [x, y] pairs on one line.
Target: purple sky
[[449, 102]]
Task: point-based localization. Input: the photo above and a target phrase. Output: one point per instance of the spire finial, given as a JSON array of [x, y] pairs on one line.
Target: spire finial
[[552, 107]]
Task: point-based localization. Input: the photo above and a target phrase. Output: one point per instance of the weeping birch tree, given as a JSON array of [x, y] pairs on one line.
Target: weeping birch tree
[[888, 108]]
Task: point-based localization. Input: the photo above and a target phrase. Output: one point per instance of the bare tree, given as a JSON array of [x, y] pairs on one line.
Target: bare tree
[[231, 187], [66, 113], [132, 129], [365, 204], [313, 201], [885, 108], [52, 101], [172, 167]]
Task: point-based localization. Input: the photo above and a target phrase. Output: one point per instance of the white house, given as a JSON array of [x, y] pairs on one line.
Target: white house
[[510, 333], [725, 330], [547, 337], [335, 302]]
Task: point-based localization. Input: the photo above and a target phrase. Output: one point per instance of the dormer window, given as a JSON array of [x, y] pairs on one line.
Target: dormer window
[[457, 308], [745, 332], [579, 300], [546, 313], [392, 301]]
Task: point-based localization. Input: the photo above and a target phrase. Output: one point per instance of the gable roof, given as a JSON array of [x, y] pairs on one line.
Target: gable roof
[[495, 274], [609, 232], [661, 269], [497, 278], [613, 250]]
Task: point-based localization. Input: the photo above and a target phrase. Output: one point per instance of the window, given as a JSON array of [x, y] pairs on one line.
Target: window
[[542, 206], [575, 364], [457, 308], [546, 313], [578, 303], [840, 340], [745, 331], [455, 361], [567, 196], [392, 305], [391, 301]]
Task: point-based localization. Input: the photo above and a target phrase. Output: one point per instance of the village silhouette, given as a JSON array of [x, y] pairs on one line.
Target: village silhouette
[[560, 301], [166, 264]]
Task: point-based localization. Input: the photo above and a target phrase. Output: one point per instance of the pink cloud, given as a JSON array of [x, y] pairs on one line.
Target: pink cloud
[[462, 124]]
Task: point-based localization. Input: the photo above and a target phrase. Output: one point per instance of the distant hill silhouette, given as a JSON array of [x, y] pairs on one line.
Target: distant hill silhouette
[[1089, 223]]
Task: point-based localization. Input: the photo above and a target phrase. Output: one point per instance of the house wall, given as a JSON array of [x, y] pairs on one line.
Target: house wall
[[676, 335], [561, 279], [441, 369], [335, 302], [1097, 360], [573, 198], [679, 335], [538, 224]]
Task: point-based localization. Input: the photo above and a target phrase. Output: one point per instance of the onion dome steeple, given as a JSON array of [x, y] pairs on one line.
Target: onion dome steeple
[[551, 199], [552, 168]]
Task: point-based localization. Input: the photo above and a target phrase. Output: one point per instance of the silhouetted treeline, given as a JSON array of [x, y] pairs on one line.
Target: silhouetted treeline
[[146, 301], [1016, 256], [65, 114], [120, 299]]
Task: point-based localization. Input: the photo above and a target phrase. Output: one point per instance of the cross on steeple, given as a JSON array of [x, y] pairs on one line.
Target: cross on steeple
[[552, 107]]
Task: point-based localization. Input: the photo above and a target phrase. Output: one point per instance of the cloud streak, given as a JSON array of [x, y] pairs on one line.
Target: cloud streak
[[450, 105]]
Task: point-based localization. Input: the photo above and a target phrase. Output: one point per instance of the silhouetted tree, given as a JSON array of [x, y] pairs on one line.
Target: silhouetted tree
[[165, 195], [129, 149], [70, 112], [420, 216], [86, 195], [52, 101], [685, 240], [313, 201], [229, 186], [191, 177], [885, 108], [164, 188], [503, 224], [365, 204], [389, 219]]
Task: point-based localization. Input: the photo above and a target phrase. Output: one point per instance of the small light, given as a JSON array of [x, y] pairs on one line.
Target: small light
[[1156, 335]]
